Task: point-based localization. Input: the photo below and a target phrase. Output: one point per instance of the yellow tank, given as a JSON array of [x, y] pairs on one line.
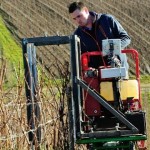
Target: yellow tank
[[128, 88]]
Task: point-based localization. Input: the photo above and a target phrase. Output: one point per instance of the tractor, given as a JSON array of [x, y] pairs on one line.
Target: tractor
[[105, 104]]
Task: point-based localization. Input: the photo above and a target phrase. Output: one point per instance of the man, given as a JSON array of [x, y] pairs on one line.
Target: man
[[93, 28]]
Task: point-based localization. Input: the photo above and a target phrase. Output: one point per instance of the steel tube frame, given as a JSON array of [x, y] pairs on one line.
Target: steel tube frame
[[31, 80]]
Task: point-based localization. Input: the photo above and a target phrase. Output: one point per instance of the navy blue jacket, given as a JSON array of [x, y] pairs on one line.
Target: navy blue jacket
[[105, 26]]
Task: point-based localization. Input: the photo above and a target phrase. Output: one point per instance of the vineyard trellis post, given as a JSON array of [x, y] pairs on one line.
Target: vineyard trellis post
[[31, 86]]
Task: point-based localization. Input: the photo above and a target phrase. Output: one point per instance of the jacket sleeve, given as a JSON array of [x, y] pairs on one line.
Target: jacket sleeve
[[119, 32]]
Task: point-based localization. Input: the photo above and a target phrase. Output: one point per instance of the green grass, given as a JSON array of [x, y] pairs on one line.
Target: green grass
[[145, 79], [11, 52]]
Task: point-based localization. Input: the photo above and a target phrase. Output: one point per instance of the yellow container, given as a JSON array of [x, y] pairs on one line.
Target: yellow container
[[128, 88]]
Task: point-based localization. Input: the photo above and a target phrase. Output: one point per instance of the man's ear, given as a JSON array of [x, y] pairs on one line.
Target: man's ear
[[86, 9]]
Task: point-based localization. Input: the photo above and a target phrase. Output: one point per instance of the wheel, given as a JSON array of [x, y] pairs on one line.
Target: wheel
[[132, 145]]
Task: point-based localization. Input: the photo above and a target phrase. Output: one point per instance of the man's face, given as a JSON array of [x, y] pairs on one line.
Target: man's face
[[80, 16]]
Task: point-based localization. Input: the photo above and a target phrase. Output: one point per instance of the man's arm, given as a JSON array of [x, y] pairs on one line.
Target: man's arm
[[119, 32]]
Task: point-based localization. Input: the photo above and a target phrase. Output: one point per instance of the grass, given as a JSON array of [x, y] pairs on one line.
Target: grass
[[145, 79], [11, 52]]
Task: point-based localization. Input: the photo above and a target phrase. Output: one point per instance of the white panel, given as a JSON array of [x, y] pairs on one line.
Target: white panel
[[113, 72], [106, 46]]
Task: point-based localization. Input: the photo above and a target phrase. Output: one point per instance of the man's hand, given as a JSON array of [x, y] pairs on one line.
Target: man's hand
[[114, 60]]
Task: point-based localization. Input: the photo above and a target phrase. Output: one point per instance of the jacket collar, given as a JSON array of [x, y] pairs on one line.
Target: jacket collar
[[95, 16]]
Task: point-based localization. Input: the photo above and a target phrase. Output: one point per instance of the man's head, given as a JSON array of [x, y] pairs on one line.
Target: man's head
[[79, 13]]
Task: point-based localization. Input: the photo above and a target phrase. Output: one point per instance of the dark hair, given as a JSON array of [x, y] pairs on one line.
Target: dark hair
[[75, 5]]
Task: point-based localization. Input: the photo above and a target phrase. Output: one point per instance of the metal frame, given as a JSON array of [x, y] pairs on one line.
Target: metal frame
[[31, 80]]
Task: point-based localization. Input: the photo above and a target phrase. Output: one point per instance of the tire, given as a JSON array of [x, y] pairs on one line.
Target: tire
[[132, 146]]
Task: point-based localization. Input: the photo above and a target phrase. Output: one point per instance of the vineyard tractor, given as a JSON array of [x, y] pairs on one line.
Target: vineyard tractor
[[104, 107]]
